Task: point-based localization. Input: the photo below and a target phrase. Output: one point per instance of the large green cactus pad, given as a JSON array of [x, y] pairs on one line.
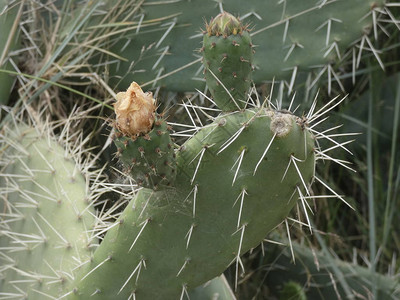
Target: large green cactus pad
[[237, 179]]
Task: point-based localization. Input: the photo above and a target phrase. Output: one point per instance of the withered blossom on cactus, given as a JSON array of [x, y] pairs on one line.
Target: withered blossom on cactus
[[135, 111]]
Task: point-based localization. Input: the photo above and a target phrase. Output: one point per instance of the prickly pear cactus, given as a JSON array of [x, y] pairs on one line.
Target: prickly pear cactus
[[227, 58], [45, 216], [199, 207]]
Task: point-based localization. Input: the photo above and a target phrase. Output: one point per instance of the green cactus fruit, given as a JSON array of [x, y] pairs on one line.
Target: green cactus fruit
[[149, 159], [237, 179], [227, 58], [45, 215]]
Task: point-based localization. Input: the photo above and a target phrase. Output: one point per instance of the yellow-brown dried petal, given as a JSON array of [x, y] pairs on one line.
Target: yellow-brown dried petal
[[135, 111]]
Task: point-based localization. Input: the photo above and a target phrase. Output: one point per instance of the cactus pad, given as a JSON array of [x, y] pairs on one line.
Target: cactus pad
[[149, 159], [45, 216], [169, 241], [227, 58]]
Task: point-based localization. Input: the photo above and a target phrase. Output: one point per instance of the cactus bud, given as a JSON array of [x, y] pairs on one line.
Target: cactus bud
[[135, 111], [224, 24]]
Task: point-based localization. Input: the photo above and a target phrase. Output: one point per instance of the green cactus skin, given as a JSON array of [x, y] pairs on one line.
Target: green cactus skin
[[150, 158], [315, 273], [45, 216], [291, 35], [228, 194], [227, 59]]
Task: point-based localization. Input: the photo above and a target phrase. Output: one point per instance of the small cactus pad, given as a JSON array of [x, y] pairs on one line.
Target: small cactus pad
[[227, 58], [150, 158], [237, 179]]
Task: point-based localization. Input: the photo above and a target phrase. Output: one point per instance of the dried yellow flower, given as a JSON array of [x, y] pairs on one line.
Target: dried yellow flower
[[135, 111]]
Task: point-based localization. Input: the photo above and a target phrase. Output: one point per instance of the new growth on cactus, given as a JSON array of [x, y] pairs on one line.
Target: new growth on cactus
[[227, 58]]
